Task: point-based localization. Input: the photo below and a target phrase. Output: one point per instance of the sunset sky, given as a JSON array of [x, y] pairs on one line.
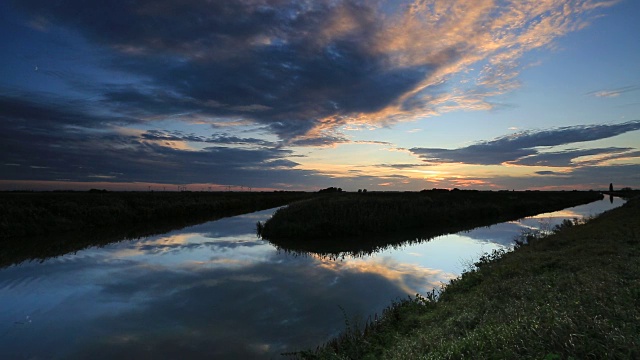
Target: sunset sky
[[302, 95]]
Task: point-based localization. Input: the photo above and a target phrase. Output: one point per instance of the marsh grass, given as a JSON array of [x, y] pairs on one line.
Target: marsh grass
[[359, 222], [573, 293], [38, 225]]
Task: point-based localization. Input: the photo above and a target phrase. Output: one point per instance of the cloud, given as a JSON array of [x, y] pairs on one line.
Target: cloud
[[303, 68], [221, 139], [547, 172], [322, 140], [485, 154], [609, 157], [586, 177], [614, 92], [50, 113], [521, 148], [566, 158], [401, 166], [46, 141], [583, 177]]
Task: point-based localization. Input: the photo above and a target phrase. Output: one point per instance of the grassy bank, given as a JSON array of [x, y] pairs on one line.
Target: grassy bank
[[355, 219], [36, 225], [574, 294]]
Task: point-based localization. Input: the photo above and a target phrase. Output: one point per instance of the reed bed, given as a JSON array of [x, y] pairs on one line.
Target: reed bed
[[354, 218], [37, 225]]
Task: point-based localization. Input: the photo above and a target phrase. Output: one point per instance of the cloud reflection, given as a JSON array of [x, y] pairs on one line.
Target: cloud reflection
[[411, 278], [243, 301], [238, 312], [505, 233], [170, 296]]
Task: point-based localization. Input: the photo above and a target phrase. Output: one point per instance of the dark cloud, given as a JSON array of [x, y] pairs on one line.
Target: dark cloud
[[521, 147], [296, 70], [45, 112], [564, 158], [149, 101], [63, 144], [285, 64], [325, 140], [492, 153], [547, 172], [221, 139]]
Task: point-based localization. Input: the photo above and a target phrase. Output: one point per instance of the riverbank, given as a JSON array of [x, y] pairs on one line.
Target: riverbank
[[38, 225], [573, 294], [355, 222]]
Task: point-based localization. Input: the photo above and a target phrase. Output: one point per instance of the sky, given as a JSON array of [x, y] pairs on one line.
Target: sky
[[249, 95]]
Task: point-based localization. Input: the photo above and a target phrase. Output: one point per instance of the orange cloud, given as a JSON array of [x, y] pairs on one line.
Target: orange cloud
[[454, 38]]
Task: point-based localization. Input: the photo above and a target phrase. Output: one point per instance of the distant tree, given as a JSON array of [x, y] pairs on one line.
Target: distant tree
[[330, 190], [439, 190], [364, 190], [611, 187], [359, 190]]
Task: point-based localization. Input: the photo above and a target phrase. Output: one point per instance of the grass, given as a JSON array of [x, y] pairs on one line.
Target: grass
[[354, 222], [574, 294], [38, 225]]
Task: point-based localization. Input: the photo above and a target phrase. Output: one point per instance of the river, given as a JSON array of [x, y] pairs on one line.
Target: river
[[216, 291]]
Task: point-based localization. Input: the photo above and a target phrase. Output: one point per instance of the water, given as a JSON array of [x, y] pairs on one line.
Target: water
[[215, 291]]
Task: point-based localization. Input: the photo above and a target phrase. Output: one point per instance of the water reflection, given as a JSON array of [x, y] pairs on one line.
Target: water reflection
[[209, 291], [504, 233], [216, 291]]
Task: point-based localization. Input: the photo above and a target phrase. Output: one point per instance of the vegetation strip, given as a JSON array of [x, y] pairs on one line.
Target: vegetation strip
[[573, 294], [38, 225], [355, 219]]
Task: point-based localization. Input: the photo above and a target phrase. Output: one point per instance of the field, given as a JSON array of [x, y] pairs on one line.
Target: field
[[357, 222], [572, 295], [38, 225]]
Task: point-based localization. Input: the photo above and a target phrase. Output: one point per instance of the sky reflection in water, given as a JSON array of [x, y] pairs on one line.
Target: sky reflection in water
[[216, 291]]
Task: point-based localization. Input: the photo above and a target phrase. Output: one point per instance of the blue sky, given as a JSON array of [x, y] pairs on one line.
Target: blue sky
[[275, 94]]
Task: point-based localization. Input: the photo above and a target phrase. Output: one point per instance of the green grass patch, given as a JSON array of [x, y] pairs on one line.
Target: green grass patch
[[574, 294]]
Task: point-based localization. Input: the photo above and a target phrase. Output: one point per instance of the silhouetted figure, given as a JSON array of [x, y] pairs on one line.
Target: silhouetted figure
[[611, 187]]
